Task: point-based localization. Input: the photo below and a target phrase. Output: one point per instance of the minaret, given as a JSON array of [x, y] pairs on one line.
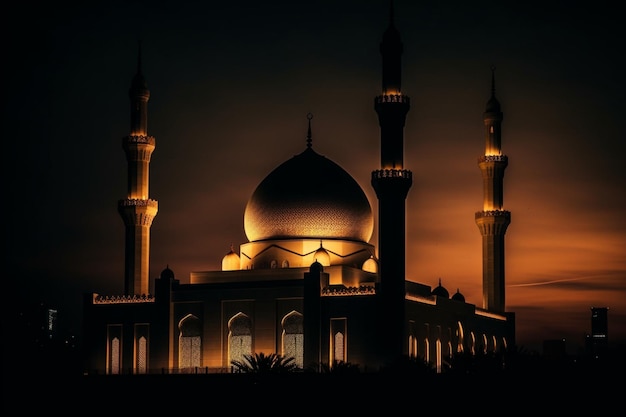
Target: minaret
[[137, 209], [493, 221], [391, 183]]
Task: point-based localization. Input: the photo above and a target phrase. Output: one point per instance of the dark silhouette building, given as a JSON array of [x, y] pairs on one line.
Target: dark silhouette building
[[597, 343], [308, 284]]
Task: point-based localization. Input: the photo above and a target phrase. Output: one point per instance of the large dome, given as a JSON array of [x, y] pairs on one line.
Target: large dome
[[308, 196]]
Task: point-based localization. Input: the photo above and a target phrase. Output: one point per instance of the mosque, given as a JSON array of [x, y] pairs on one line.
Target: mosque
[[308, 284]]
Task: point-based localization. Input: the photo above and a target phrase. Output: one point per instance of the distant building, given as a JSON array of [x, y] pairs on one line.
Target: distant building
[[597, 343], [308, 284]]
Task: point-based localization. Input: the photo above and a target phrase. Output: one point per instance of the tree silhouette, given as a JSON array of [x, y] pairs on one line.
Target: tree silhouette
[[260, 363]]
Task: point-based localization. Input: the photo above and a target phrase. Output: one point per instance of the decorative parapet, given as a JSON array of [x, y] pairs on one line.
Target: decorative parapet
[[493, 158], [138, 202], [393, 98], [392, 173], [122, 299], [339, 291], [493, 213], [148, 140]]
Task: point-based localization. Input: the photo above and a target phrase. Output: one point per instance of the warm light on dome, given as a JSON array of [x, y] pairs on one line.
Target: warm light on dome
[[322, 256], [231, 261], [308, 196], [370, 265]]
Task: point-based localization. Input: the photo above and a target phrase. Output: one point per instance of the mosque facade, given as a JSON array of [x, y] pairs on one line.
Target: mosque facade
[[308, 284]]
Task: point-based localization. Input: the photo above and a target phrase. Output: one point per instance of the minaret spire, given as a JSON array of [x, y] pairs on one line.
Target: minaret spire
[[137, 209], [493, 220], [139, 58], [392, 183]]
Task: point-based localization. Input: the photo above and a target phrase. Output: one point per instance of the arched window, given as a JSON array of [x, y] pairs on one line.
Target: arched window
[[142, 338], [293, 338], [114, 349], [412, 346], [189, 343], [142, 356], [239, 337], [115, 365], [438, 355], [338, 351], [460, 345]]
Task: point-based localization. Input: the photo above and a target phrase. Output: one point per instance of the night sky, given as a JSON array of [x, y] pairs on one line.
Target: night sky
[[231, 85]]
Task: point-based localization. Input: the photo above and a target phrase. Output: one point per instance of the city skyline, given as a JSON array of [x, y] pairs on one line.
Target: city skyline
[[230, 95]]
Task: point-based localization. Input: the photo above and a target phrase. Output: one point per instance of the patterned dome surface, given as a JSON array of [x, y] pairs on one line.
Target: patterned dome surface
[[308, 196]]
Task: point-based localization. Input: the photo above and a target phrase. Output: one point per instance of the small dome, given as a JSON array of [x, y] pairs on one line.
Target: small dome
[[322, 256], [440, 291], [458, 296], [231, 261], [167, 273], [370, 265], [316, 267]]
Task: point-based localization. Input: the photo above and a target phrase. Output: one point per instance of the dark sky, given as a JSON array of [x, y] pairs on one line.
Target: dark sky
[[232, 83]]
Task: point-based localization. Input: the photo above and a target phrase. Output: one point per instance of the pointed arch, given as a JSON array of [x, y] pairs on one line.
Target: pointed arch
[[293, 337], [460, 334], [114, 349], [239, 337], [142, 341], [338, 340], [189, 343], [142, 355], [115, 365], [412, 340]]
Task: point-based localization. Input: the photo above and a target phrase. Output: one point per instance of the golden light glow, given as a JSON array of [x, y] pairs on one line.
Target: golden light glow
[[370, 265]]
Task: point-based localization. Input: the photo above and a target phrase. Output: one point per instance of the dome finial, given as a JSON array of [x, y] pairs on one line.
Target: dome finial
[[308, 136], [493, 80]]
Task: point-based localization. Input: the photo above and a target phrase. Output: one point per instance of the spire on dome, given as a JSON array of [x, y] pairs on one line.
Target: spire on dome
[[309, 139]]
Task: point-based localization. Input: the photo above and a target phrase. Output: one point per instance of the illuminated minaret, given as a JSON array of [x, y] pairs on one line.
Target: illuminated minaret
[[392, 183], [137, 210], [493, 221]]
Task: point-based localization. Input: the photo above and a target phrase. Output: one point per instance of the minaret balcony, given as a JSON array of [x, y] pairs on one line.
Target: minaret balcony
[[503, 214], [137, 212], [493, 158], [493, 222], [392, 173], [392, 183], [140, 139], [137, 202], [393, 98]]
